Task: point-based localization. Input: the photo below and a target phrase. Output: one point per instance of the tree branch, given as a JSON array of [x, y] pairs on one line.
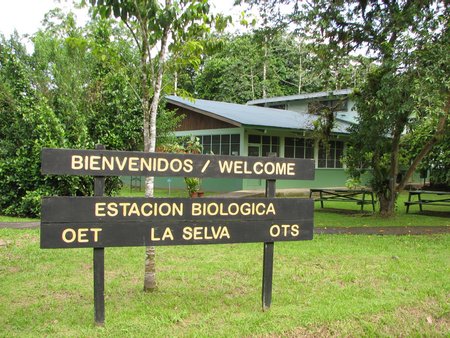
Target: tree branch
[[440, 130]]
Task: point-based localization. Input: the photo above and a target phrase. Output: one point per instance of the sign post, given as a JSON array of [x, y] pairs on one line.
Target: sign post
[[99, 221], [99, 261], [268, 258]]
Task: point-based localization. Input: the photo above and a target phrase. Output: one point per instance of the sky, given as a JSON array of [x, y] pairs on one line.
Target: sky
[[26, 16]]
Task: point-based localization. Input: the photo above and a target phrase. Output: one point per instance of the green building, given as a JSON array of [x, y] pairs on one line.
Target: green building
[[281, 125]]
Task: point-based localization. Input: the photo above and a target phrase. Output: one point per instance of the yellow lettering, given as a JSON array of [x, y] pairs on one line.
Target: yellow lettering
[[233, 209], [238, 167], [270, 209], [246, 209], [187, 233], [153, 236], [146, 163], [133, 164], [73, 235], [134, 210], [246, 171], [274, 230], [124, 206], [108, 162], [96, 231], [196, 209], [258, 168], [77, 162], [167, 234], [95, 163], [269, 168], [260, 209], [176, 165], [163, 164], [225, 233], [121, 165], [225, 166], [291, 169], [82, 234], [197, 233], [112, 209], [295, 231], [100, 209], [188, 166]]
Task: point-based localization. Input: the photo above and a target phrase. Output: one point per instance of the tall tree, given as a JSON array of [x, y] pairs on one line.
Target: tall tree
[[155, 27], [27, 124], [407, 85]]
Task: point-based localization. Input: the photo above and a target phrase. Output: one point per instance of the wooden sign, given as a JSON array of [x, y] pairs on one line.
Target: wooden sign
[[120, 163], [99, 222], [74, 222]]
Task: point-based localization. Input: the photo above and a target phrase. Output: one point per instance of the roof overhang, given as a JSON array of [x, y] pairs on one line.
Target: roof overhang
[[203, 112], [301, 97]]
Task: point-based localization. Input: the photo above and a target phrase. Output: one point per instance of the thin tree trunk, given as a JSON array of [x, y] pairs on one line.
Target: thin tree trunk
[[266, 53], [300, 71], [387, 204], [150, 260], [252, 82], [175, 85]]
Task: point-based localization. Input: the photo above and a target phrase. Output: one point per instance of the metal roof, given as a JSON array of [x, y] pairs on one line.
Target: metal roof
[[253, 116], [300, 97]]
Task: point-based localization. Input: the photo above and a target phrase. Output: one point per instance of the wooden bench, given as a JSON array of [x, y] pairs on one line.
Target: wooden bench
[[360, 197], [445, 201]]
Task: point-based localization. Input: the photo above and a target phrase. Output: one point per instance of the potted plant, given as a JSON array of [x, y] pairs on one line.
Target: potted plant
[[192, 185]]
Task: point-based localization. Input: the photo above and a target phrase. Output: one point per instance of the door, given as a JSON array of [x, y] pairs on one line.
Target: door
[[254, 150]]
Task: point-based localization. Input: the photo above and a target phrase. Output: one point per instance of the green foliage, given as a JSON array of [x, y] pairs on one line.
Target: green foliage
[[405, 90], [235, 71]]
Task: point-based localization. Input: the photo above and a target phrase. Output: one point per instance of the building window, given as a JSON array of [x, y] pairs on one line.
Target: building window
[[332, 157], [298, 148], [316, 107], [269, 144], [282, 106], [220, 144]]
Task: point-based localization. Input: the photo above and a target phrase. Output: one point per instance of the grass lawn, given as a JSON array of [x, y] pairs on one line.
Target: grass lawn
[[345, 214], [17, 219], [334, 285]]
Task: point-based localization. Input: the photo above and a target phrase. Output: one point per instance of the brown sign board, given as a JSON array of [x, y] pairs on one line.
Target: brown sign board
[[74, 222], [130, 163]]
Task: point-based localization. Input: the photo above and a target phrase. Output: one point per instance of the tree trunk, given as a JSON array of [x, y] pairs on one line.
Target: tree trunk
[[175, 82], [440, 131], [300, 71], [266, 54], [388, 199], [150, 259]]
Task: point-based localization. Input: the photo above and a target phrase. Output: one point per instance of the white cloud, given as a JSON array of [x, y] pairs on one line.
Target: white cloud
[[26, 16]]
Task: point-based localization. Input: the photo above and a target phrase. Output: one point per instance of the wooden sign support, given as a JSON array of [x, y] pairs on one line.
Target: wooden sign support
[[268, 258], [99, 221], [99, 261]]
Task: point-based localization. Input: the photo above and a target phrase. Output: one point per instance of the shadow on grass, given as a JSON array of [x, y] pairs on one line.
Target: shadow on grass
[[345, 212], [432, 213]]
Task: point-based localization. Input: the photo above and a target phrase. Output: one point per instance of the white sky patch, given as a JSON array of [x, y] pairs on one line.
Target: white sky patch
[[25, 16]]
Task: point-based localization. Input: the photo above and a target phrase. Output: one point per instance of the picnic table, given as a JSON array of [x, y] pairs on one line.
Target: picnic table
[[442, 200], [358, 196]]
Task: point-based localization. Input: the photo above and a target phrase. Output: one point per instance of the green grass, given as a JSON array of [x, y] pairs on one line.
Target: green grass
[[334, 285], [17, 219], [346, 214], [157, 193]]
